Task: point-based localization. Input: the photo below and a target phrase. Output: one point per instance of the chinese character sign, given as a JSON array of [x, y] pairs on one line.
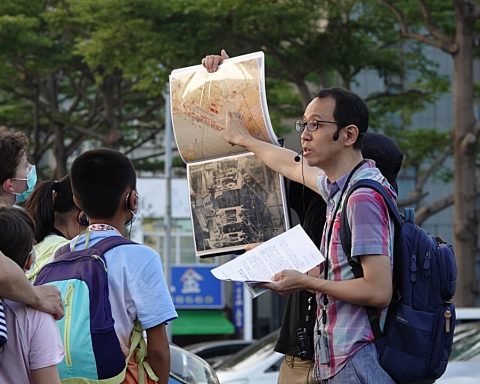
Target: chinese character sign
[[193, 286]]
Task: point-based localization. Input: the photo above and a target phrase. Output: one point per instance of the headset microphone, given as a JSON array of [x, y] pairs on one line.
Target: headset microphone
[[297, 156]]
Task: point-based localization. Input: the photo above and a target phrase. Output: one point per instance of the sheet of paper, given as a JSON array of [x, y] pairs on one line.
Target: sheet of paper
[[292, 249]]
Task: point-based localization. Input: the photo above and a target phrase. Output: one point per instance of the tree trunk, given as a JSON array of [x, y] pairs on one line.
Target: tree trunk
[[58, 129], [114, 136], [465, 221]]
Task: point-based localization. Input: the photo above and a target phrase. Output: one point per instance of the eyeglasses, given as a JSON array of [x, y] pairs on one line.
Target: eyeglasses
[[312, 126]]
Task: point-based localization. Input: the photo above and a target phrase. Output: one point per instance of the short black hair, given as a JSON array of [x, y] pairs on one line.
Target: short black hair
[[16, 234], [349, 109], [49, 200], [12, 147], [99, 178], [387, 155]]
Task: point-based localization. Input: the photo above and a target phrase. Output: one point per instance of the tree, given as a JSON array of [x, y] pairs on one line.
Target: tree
[[81, 70], [435, 28]]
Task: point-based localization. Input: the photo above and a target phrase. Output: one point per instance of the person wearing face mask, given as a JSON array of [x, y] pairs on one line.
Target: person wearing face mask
[[57, 219], [17, 180], [17, 176]]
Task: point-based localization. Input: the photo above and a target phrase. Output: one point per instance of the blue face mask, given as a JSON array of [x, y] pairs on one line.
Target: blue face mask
[[31, 180]]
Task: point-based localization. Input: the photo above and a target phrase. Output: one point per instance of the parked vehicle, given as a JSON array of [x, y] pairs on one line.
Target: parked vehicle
[[216, 352], [259, 364], [187, 368], [255, 364], [464, 364]]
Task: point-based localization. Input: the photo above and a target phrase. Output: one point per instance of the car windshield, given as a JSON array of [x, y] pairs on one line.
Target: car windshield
[[188, 368], [251, 354], [466, 342]]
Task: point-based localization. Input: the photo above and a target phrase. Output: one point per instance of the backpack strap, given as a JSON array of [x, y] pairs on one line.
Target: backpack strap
[[346, 239], [111, 242], [138, 349], [102, 246]]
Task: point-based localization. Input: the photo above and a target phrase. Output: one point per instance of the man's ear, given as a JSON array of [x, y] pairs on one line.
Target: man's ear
[[351, 134]]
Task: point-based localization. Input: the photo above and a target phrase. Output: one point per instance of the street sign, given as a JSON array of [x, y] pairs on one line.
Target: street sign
[[238, 306], [194, 286]]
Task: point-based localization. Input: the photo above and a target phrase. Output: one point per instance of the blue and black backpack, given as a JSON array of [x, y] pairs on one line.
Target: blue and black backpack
[[92, 348], [418, 334]]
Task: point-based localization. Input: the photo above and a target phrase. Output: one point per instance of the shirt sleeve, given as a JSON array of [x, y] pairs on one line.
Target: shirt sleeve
[[46, 347], [149, 291], [369, 221]]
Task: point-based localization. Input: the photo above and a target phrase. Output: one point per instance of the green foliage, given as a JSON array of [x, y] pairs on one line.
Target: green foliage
[[96, 70]]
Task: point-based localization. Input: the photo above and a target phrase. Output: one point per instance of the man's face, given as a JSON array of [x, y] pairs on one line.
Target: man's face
[[319, 148]]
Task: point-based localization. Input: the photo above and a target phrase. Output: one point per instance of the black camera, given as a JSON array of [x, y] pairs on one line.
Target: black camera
[[304, 344]]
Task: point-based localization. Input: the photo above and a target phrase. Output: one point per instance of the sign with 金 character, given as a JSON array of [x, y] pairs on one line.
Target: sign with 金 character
[[193, 286]]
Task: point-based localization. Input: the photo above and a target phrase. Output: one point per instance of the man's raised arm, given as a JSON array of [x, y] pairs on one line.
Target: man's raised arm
[[279, 159]]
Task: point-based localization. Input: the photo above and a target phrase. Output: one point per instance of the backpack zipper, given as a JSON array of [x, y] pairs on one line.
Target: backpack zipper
[[68, 323]]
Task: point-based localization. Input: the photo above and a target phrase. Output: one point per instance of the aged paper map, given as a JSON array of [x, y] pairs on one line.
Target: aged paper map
[[235, 199], [200, 102]]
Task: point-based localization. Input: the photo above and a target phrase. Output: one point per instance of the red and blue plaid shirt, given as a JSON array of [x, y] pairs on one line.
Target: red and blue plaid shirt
[[347, 327]]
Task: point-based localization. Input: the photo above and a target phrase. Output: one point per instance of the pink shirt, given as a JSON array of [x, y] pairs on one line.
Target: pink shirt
[[33, 343]]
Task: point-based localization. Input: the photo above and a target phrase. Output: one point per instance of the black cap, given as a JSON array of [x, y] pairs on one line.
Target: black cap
[[385, 153]]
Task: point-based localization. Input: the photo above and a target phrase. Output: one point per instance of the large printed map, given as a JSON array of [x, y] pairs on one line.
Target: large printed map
[[235, 199], [200, 102]]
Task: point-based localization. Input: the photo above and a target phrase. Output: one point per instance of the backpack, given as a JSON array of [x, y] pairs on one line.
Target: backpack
[[418, 334], [92, 348]]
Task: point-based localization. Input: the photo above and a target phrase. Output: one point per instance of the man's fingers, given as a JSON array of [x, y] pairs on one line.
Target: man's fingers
[[224, 54]]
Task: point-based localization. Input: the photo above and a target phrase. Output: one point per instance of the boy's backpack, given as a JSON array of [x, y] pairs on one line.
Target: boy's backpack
[[92, 348], [418, 333]]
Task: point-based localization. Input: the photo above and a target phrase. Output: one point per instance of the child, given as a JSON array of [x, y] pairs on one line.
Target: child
[[104, 187], [57, 219], [33, 348]]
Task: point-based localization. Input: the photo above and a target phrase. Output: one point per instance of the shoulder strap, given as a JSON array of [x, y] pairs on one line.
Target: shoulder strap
[[346, 233], [103, 245], [346, 239], [111, 242]]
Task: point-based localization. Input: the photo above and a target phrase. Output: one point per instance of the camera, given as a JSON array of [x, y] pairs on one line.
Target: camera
[[304, 344]]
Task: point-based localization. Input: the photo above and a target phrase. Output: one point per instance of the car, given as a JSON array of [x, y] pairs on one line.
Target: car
[[255, 364], [215, 352], [187, 368], [464, 364], [260, 364]]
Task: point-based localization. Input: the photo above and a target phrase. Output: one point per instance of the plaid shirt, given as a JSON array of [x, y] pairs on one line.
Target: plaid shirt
[[347, 327]]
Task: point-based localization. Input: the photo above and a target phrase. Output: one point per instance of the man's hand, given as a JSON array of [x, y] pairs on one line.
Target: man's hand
[[235, 131], [287, 281], [48, 300], [211, 62]]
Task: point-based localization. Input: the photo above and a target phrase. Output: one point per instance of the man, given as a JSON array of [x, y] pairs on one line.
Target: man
[[296, 336], [333, 127]]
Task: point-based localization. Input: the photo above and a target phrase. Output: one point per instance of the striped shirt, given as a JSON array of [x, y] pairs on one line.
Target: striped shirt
[[347, 326], [3, 325]]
